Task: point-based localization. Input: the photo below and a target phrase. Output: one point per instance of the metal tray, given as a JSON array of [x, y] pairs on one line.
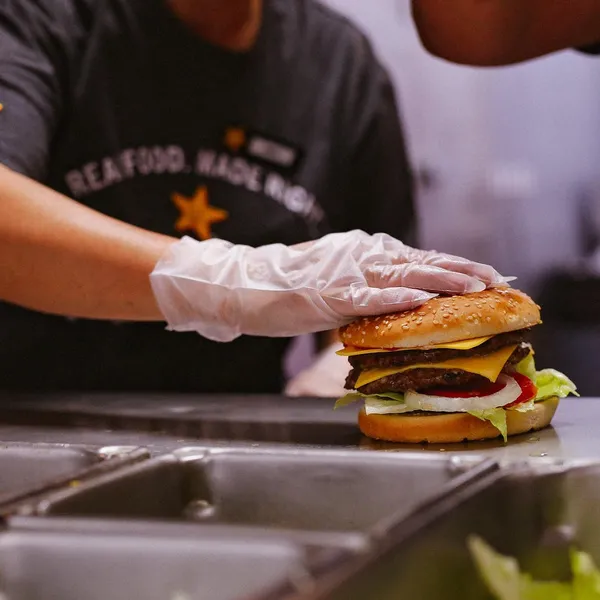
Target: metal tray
[[69, 565], [322, 553], [531, 515], [326, 491], [27, 469]]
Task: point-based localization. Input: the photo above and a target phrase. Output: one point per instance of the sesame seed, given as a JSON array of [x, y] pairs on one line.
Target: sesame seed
[[376, 326], [445, 326], [436, 322], [447, 316], [488, 319]]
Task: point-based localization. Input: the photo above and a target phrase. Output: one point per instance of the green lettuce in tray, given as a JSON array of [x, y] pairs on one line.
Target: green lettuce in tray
[[506, 581]]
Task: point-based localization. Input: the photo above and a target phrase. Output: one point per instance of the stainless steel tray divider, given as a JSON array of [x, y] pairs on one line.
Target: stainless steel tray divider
[[305, 490], [73, 565], [101, 460], [341, 509]]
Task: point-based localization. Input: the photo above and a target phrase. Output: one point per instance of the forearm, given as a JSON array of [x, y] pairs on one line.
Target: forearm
[[496, 32], [60, 257]]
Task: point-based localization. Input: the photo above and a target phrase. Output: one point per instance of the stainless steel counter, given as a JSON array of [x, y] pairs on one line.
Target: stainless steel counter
[[162, 516], [165, 422]]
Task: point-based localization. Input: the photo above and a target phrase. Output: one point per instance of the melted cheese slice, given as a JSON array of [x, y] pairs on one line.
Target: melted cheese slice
[[461, 345], [489, 366]]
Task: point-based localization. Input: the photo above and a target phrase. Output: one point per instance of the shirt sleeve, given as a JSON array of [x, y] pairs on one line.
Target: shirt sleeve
[[378, 179], [33, 75]]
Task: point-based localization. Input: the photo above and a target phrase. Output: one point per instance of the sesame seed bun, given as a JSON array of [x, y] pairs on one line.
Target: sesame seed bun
[[452, 427], [446, 319]]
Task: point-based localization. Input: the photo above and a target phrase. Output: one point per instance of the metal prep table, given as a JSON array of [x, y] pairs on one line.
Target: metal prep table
[[264, 498]]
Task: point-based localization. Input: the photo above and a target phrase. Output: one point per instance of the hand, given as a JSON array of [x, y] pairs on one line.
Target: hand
[[222, 290], [325, 378]]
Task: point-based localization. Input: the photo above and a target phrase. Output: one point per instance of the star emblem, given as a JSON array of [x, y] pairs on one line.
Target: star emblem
[[235, 138], [196, 214]]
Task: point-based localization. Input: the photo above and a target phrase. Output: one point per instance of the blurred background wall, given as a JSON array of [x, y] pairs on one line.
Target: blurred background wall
[[509, 159]]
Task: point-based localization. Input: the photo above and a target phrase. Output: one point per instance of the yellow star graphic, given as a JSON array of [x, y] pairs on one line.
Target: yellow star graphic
[[196, 214], [235, 138]]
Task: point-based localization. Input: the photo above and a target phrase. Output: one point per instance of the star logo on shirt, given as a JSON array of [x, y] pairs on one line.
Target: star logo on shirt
[[196, 214]]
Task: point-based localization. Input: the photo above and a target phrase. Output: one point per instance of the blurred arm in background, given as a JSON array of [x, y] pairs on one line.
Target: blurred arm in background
[[501, 32]]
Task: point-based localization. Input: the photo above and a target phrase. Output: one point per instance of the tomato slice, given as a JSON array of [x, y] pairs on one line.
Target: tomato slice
[[528, 389], [468, 392]]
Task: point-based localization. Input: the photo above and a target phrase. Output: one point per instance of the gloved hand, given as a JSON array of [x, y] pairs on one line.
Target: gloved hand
[[325, 378], [222, 290]]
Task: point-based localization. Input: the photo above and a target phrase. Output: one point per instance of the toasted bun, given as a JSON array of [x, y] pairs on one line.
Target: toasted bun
[[452, 427], [445, 319]]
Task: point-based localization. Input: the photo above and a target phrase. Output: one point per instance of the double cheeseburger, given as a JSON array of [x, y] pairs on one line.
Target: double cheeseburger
[[456, 368]]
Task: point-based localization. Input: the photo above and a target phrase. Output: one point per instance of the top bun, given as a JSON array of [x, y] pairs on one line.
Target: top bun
[[445, 319]]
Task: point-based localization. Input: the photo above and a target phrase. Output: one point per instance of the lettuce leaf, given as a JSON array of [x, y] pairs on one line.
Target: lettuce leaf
[[500, 573], [496, 416], [527, 367], [502, 576], [549, 382], [524, 406], [356, 396], [544, 590], [586, 577], [346, 400], [388, 396], [384, 406]]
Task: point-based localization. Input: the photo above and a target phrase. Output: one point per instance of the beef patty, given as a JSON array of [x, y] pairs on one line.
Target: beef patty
[[424, 378], [405, 358]]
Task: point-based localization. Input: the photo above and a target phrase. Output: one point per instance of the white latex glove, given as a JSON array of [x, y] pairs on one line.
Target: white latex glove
[[325, 378], [222, 290]]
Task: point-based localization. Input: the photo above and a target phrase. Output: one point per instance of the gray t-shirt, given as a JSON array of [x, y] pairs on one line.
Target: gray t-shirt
[[117, 104]]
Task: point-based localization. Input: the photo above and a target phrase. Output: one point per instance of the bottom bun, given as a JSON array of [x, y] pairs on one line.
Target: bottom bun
[[452, 427]]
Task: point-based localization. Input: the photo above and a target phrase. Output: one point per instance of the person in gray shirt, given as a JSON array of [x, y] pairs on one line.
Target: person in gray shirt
[[237, 124]]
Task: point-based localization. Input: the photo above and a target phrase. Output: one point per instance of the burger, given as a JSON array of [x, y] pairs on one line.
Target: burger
[[456, 368]]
